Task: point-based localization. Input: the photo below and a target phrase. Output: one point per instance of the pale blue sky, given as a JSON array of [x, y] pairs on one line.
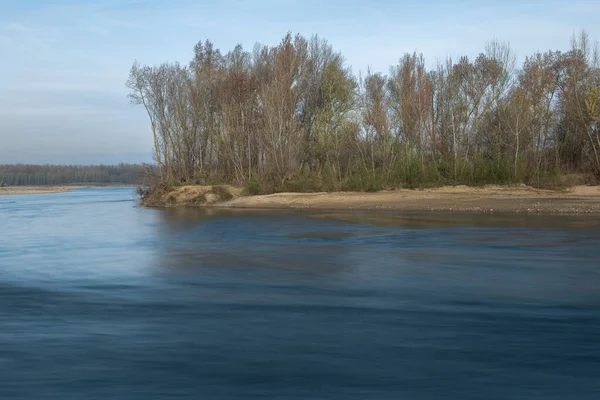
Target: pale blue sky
[[64, 63]]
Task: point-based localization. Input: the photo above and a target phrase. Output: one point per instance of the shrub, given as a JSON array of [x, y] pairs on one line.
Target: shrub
[[143, 192], [222, 193], [200, 199], [363, 182], [252, 188], [300, 184]]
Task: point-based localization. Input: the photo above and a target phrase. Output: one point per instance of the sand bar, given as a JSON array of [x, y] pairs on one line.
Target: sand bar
[[12, 190], [490, 199]]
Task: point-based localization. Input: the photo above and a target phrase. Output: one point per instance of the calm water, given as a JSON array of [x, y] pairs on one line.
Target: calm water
[[102, 299]]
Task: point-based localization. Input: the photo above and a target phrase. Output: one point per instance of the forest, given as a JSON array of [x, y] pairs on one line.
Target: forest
[[24, 174], [293, 117]]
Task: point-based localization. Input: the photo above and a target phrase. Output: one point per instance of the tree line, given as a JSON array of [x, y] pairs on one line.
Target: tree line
[[24, 174], [294, 117]]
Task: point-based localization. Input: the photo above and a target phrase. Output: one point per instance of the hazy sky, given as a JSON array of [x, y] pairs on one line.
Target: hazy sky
[[64, 63]]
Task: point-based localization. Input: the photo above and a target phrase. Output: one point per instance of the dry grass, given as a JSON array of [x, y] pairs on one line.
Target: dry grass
[[192, 195]]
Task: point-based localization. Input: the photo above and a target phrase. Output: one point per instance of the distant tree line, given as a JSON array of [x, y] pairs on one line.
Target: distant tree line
[[24, 174], [293, 117]]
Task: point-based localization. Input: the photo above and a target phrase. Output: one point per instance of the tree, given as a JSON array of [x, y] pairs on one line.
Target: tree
[[294, 112]]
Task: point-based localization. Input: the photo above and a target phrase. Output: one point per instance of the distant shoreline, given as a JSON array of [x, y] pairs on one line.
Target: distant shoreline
[[13, 190], [42, 189], [489, 199]]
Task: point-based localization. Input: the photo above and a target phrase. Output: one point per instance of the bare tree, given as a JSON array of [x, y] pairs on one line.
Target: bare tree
[[295, 111]]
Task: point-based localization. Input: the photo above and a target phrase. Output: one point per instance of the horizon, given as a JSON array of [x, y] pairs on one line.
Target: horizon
[[66, 64]]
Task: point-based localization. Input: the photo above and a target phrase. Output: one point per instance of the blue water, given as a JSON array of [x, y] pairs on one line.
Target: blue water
[[103, 299]]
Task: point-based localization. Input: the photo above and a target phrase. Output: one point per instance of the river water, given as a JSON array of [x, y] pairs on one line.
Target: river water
[[103, 299]]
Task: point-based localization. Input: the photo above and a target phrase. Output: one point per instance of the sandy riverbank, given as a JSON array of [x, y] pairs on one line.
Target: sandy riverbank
[[578, 199], [34, 189]]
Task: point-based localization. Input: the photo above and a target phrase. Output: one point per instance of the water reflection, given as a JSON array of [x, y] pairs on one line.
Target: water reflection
[[465, 219], [229, 239], [503, 257]]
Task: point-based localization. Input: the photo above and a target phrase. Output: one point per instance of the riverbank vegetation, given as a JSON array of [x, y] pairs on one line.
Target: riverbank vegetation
[[37, 175], [293, 117]]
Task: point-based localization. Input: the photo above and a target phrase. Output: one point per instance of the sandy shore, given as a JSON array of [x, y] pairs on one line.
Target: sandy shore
[[523, 199], [33, 189]]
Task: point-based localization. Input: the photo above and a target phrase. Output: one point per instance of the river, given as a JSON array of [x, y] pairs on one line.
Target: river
[[103, 299]]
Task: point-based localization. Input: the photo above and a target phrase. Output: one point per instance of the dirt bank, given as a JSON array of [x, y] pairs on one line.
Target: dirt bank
[[579, 199], [33, 189]]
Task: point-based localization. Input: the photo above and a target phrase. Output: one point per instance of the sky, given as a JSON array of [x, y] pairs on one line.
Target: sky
[[64, 63]]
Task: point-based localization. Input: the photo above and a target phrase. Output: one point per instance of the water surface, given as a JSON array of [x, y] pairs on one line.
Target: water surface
[[101, 298]]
